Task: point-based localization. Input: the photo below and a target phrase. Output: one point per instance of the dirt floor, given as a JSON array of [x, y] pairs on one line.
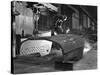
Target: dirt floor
[[30, 65], [89, 61]]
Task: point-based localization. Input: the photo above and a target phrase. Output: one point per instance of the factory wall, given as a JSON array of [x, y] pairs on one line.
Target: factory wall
[[24, 21], [81, 21]]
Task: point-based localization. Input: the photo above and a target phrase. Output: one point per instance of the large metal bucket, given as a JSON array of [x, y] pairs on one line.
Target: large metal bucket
[[36, 46]]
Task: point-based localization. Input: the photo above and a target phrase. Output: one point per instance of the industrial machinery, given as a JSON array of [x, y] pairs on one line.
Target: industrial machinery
[[69, 46]]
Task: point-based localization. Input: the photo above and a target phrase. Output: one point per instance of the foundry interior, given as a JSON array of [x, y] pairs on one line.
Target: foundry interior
[[51, 37]]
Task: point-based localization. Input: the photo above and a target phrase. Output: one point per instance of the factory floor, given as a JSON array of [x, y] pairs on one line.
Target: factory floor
[[29, 65], [89, 61]]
